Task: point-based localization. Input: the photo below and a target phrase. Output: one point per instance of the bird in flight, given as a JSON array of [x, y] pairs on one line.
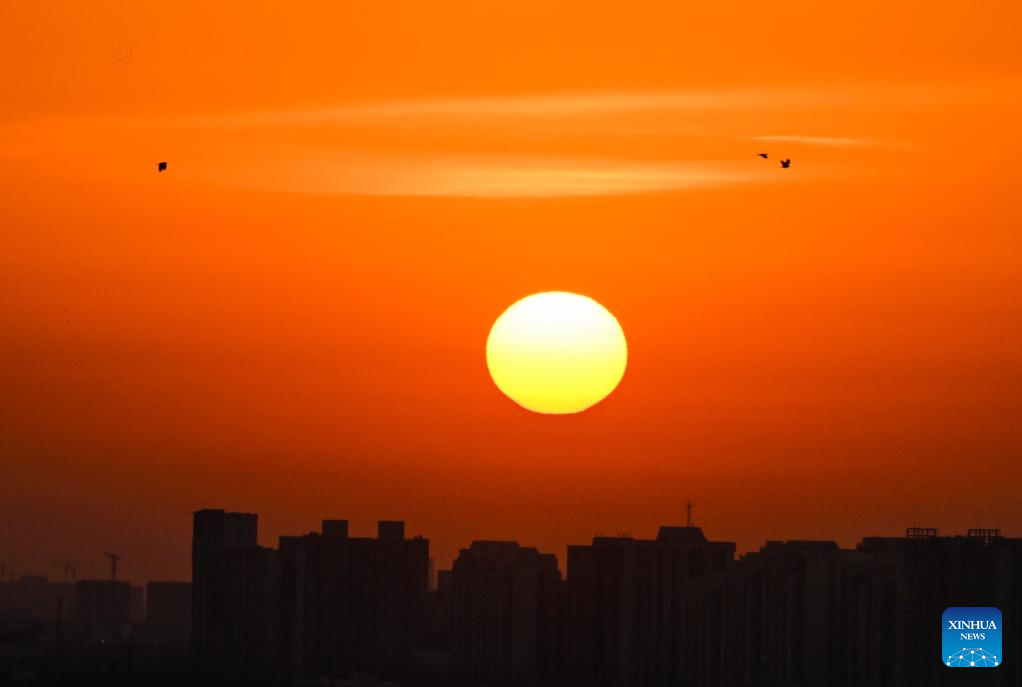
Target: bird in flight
[[162, 166], [763, 155], [786, 163]]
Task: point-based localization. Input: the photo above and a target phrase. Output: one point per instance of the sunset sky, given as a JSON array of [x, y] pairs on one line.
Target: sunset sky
[[292, 319]]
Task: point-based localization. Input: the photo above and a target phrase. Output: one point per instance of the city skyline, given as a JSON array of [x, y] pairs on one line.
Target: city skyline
[[678, 608], [292, 317], [625, 611], [271, 538]]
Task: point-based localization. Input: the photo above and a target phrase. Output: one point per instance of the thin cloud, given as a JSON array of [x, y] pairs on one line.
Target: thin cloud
[[491, 177], [553, 106], [828, 141], [573, 105], [556, 105]]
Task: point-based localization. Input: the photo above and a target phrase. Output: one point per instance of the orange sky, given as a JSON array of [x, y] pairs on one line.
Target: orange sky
[[292, 319]]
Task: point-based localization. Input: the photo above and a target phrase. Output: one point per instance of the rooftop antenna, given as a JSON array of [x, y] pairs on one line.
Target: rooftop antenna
[[688, 507]]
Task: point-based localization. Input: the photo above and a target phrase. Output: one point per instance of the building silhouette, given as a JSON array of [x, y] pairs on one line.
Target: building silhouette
[[676, 610], [103, 607], [214, 533], [780, 615], [432, 657], [809, 613], [506, 615], [322, 604], [252, 617], [628, 602], [928, 573], [353, 605], [34, 598]]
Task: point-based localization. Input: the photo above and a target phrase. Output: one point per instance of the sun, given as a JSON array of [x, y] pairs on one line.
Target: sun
[[556, 352]]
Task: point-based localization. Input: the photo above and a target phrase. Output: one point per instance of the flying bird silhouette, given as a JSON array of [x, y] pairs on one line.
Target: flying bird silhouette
[[162, 166], [763, 155], [786, 163]]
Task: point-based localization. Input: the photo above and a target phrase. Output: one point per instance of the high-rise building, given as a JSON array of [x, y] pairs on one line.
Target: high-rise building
[[252, 594], [808, 612], [353, 605], [214, 533], [676, 610], [505, 614], [927, 573], [627, 603], [781, 615]]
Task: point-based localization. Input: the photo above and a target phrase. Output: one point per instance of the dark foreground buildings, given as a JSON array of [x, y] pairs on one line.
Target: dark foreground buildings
[[675, 610], [169, 611], [628, 606], [104, 606], [506, 615], [214, 534], [320, 605], [810, 613]]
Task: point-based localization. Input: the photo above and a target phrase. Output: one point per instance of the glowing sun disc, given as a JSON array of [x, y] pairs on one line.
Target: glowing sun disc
[[556, 352]]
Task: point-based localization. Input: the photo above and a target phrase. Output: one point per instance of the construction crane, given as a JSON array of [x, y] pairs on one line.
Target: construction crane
[[113, 564]]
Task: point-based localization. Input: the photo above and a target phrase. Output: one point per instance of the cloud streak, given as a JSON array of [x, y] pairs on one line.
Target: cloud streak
[[493, 177], [583, 104], [827, 141], [551, 106]]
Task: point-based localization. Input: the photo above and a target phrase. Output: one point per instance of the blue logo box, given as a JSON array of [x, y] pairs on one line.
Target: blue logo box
[[971, 637]]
